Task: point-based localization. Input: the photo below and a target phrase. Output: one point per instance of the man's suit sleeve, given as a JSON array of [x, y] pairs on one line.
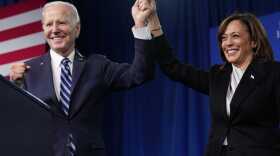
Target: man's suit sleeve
[[124, 75], [185, 73]]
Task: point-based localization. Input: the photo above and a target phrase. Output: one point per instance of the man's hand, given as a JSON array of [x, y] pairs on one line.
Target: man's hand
[[17, 71], [141, 10]]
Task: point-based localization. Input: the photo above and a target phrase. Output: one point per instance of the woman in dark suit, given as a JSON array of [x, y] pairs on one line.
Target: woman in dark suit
[[244, 91]]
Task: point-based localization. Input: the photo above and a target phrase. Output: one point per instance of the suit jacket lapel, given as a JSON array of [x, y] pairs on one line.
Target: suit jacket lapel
[[252, 76], [46, 77], [222, 86], [78, 66]]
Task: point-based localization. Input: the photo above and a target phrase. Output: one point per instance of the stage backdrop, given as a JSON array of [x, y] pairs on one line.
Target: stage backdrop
[[162, 118]]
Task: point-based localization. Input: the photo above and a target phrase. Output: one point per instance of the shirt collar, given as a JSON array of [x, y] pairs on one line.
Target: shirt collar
[[237, 71], [56, 58]]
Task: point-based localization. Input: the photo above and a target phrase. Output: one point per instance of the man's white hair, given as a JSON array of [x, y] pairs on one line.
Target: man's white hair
[[74, 10]]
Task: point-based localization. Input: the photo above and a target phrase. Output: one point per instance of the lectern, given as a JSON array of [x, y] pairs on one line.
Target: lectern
[[25, 123]]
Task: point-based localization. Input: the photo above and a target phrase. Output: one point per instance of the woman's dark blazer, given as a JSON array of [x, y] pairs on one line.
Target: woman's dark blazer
[[253, 126]]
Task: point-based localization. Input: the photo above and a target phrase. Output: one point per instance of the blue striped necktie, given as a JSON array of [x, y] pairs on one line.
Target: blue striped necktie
[[65, 85], [71, 146], [65, 93]]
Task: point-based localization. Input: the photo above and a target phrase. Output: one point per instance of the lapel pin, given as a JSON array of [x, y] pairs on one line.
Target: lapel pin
[[42, 63], [252, 77]]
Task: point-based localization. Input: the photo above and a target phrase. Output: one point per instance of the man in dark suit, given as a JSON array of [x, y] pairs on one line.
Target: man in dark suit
[[74, 85]]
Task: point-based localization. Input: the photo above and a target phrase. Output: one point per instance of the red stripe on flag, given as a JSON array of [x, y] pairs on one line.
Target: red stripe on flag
[[20, 31], [22, 54], [20, 7]]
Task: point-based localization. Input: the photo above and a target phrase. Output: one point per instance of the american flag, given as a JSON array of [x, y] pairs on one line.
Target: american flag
[[21, 36]]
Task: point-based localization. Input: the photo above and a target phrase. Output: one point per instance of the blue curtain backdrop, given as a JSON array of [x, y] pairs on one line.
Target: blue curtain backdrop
[[161, 118]]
